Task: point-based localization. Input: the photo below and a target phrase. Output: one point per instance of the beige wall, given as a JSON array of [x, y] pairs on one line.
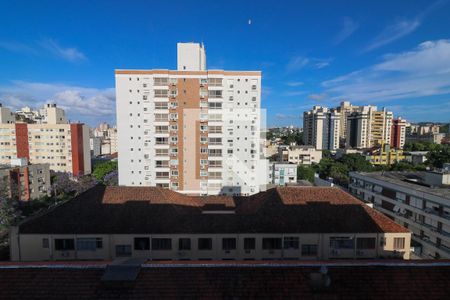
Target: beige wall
[[29, 247]]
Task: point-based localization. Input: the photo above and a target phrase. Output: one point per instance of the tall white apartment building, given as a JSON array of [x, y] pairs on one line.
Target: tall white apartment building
[[192, 130], [61, 145], [321, 128]]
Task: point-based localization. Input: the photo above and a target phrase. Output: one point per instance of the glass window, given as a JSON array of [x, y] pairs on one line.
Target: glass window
[[161, 244], [184, 244], [342, 243], [229, 244], [399, 243], [249, 243], [123, 250], [141, 243], [89, 244], [365, 243], [271, 243], [309, 250], [64, 244], [291, 242], [204, 244]]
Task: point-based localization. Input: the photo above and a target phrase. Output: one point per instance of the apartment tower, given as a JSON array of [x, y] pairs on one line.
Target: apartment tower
[[61, 145], [193, 130], [321, 128], [398, 133], [368, 127]]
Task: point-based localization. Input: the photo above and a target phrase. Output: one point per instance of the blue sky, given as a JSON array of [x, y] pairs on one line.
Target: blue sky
[[386, 53]]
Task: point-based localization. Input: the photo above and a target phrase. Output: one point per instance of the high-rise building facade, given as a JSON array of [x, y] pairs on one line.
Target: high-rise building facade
[[192, 130], [398, 133], [368, 127], [63, 146], [321, 128]]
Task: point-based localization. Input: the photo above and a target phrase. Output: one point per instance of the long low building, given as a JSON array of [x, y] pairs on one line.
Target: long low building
[[419, 201], [107, 223]]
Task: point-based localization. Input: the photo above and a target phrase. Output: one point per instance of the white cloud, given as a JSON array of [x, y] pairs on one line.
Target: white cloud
[[70, 54], [423, 71], [348, 28], [294, 93], [280, 116], [299, 62], [393, 32], [45, 46], [296, 63], [295, 83], [317, 97], [80, 103]]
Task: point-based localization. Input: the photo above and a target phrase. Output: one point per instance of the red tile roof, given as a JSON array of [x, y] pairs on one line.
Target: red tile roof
[[352, 281], [154, 210]]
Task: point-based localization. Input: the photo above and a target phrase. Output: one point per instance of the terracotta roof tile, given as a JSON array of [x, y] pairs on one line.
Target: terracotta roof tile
[[237, 282], [155, 210]]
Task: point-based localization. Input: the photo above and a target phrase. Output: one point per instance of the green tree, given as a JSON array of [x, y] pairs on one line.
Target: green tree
[[356, 162], [101, 169], [305, 173], [438, 156]]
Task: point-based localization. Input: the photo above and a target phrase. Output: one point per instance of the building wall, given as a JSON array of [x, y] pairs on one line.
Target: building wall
[[29, 182], [283, 173], [46, 144], [181, 104], [300, 155], [426, 215], [30, 247]]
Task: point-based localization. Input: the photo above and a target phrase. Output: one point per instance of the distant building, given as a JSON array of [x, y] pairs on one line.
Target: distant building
[[159, 224], [398, 134], [416, 157], [96, 146], [321, 128], [63, 146], [436, 138], [369, 127], [283, 173], [300, 155], [384, 155], [23, 181], [420, 201], [6, 116]]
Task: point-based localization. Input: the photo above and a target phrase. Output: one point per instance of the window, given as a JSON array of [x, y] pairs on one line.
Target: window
[[184, 244], [291, 242], [399, 243], [342, 243], [45, 243], [64, 244], [215, 81], [141, 243], [365, 243], [123, 250], [161, 93], [309, 250], [89, 244], [215, 105], [249, 243], [204, 244], [161, 244], [161, 81], [229, 244], [161, 105], [213, 94], [271, 243]]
